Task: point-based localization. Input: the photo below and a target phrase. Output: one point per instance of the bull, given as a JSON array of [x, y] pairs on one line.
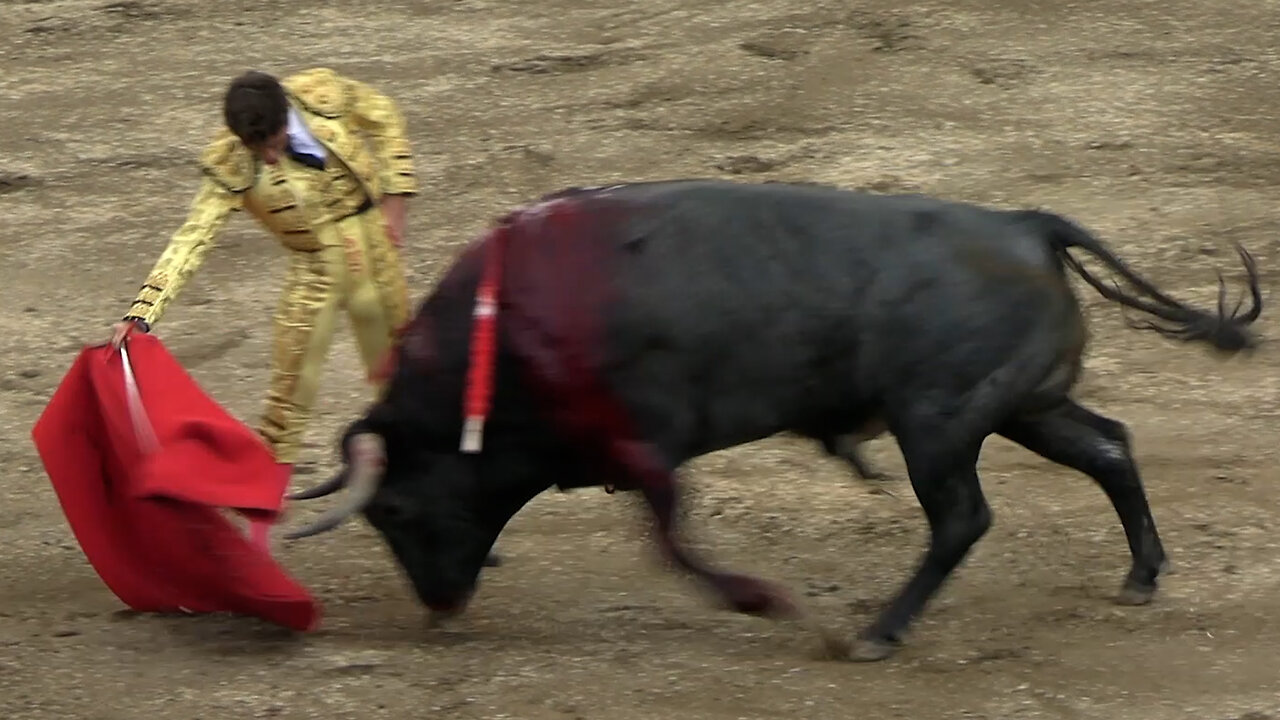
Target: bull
[[645, 324]]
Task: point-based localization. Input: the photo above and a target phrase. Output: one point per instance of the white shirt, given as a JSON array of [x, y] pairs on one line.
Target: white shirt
[[301, 138]]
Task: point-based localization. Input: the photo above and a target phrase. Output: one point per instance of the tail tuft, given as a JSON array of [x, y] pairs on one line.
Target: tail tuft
[[1228, 332]]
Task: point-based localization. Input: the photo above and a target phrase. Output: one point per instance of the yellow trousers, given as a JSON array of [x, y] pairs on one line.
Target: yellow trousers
[[357, 272]]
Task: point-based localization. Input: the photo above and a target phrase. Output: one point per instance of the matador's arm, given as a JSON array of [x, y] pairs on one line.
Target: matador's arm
[[380, 118], [186, 250]]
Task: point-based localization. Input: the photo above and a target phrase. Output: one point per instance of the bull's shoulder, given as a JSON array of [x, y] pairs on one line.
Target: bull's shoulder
[[320, 90], [226, 159]]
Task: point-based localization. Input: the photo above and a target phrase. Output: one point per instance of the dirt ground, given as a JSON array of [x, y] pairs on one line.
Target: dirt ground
[[1151, 123]]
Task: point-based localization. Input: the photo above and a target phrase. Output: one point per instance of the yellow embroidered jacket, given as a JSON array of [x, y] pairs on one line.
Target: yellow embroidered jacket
[[359, 126]]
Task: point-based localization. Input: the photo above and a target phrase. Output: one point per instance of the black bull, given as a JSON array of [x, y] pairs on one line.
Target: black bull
[[645, 324]]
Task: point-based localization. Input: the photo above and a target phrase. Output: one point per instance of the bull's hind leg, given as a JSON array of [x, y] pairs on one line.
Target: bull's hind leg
[[1099, 447], [946, 484]]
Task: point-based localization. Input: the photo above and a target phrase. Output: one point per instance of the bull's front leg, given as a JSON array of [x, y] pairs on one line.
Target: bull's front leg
[[742, 593]]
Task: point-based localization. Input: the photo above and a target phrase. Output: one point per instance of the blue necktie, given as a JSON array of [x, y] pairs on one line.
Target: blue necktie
[[305, 158]]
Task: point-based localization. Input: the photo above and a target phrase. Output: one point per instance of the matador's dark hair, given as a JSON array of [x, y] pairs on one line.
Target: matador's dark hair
[[255, 107]]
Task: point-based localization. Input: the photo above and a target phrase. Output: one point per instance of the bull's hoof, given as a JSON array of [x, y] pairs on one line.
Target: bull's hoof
[[872, 650], [493, 560], [1134, 594]]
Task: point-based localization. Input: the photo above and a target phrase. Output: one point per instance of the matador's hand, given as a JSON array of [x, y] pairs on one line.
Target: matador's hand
[[122, 329], [393, 211]]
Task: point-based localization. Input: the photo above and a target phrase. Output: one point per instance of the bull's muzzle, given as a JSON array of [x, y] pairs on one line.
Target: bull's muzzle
[[439, 613], [362, 478]]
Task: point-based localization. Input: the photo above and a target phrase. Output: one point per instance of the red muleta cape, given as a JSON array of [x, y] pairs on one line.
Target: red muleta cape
[[143, 495]]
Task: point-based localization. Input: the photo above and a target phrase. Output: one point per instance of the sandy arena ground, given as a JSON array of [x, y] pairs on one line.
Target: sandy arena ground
[[1151, 122]]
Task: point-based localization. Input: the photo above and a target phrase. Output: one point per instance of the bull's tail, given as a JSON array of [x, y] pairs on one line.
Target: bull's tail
[[1226, 332]]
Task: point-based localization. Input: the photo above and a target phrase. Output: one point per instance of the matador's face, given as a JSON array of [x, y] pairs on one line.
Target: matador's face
[[270, 150]]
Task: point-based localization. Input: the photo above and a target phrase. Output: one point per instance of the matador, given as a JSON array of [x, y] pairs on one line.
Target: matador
[[323, 163]]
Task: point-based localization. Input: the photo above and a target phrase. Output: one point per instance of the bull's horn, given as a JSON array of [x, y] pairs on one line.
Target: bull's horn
[[368, 458], [328, 487]]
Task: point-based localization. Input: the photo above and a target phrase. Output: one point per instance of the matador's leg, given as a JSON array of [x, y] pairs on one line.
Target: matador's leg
[[303, 331], [379, 301]]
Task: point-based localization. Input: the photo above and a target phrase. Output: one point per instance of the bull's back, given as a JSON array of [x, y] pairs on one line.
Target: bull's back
[[775, 307], [741, 264]]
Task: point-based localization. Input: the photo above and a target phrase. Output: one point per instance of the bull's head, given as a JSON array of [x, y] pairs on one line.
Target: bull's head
[[439, 510]]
